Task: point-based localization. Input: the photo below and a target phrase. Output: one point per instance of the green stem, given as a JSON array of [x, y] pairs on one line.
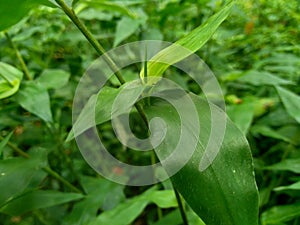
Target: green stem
[[93, 41], [181, 207], [19, 56], [46, 169], [99, 49], [61, 179]]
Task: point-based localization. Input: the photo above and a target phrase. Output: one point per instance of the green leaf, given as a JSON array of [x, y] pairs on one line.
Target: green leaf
[[269, 132], [104, 102], [128, 211], [225, 193], [16, 174], [192, 42], [36, 200], [101, 194], [294, 186], [106, 5], [13, 11], [259, 78], [286, 164], [35, 98], [291, 102], [53, 78], [4, 141], [279, 214], [125, 27], [10, 79], [241, 114]]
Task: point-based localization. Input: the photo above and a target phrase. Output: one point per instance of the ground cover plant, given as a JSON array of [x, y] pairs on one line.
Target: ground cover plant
[[251, 47]]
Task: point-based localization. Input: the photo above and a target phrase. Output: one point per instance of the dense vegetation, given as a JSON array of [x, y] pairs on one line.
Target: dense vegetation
[[255, 55]]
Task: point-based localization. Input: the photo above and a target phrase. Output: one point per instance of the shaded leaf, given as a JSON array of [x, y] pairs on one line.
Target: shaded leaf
[[104, 102], [16, 173], [53, 78], [13, 11], [286, 164], [108, 5], [36, 200], [259, 78], [125, 27], [10, 79], [279, 214], [241, 114], [4, 141], [35, 98], [269, 132], [128, 211], [290, 101], [294, 186]]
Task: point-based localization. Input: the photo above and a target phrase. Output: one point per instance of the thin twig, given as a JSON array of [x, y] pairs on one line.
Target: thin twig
[[19, 56]]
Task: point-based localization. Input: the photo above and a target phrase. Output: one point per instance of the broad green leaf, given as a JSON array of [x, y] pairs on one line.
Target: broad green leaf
[[53, 78], [279, 214], [13, 11], [16, 173], [294, 186], [291, 102], [125, 27], [259, 78], [38, 199], [104, 102], [225, 193], [286, 164], [192, 42], [241, 114], [4, 141], [10, 79], [33, 97]]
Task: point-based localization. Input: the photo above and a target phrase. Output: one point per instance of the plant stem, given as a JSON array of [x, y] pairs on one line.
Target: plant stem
[[61, 179], [181, 208], [101, 51], [93, 41], [19, 56], [46, 169]]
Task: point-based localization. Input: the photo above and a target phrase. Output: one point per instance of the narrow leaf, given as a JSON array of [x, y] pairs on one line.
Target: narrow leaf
[[290, 101], [4, 141], [292, 165], [192, 42], [259, 78], [279, 214], [36, 200]]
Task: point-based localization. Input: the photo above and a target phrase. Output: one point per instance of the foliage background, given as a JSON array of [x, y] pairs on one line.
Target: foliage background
[[254, 54]]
